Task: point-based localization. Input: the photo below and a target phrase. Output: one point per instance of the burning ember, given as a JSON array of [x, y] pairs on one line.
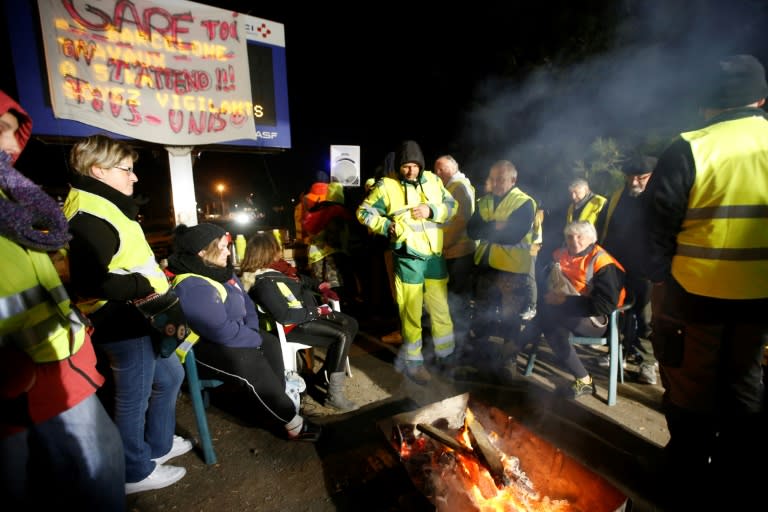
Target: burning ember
[[480, 459]]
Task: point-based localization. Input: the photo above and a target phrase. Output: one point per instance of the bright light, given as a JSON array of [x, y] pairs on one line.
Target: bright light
[[220, 187], [243, 217]]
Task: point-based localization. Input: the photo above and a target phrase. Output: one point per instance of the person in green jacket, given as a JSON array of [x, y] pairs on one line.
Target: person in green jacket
[[409, 210]]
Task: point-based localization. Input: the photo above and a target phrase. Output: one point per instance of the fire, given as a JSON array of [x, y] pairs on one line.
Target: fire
[[460, 482]]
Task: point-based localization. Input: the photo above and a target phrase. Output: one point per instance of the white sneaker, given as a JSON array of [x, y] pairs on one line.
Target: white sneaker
[[162, 476], [647, 374], [180, 447]]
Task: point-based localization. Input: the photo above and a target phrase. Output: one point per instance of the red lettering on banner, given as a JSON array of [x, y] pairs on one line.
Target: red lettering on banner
[[225, 30], [74, 49], [126, 12]]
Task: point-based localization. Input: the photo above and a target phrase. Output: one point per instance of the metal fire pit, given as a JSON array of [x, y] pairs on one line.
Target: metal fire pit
[[545, 469]]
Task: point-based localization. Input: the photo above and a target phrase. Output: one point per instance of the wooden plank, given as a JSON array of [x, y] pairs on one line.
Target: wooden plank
[[486, 452], [444, 438]]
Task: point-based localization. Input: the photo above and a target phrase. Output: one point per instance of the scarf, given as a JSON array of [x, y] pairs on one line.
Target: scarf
[[286, 268], [29, 216], [186, 263]]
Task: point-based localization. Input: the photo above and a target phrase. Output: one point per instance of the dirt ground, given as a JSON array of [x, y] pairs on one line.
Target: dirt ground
[[354, 467]]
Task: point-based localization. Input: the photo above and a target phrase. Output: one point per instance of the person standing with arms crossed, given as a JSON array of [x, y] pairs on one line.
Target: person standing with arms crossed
[[503, 226], [708, 200], [137, 319], [458, 248], [409, 209]]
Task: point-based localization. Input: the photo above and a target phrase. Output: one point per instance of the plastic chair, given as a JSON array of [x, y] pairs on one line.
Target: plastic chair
[[611, 338], [198, 392], [290, 349]]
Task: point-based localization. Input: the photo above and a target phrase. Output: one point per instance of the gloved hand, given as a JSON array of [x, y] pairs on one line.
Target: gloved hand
[[324, 310], [327, 292], [166, 316]]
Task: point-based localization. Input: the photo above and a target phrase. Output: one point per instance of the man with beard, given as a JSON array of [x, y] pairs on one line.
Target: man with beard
[[617, 226]]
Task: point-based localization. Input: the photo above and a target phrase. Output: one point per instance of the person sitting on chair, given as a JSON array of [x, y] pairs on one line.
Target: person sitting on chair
[[290, 298], [224, 316], [584, 287]]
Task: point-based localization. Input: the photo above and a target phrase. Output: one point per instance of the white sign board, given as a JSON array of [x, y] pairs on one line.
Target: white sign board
[[345, 165], [165, 71]]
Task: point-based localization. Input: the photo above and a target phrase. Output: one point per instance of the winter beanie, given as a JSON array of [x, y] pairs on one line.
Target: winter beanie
[[192, 240]]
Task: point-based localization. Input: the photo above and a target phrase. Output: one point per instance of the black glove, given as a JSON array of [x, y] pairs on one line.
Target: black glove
[[166, 316]]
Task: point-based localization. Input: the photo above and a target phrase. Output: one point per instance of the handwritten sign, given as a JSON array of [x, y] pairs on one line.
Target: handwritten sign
[[165, 71]]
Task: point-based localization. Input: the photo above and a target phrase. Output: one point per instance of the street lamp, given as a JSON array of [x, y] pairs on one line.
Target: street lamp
[[220, 188]]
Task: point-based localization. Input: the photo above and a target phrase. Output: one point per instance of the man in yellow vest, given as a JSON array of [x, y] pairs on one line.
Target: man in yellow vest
[[709, 263], [57, 443], [585, 204], [503, 226], [409, 209], [458, 248]]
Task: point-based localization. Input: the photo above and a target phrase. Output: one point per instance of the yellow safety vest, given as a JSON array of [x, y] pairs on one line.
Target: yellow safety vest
[[134, 255], [396, 198], [463, 244], [722, 247], [612, 203], [590, 211], [510, 258], [35, 311], [183, 349]]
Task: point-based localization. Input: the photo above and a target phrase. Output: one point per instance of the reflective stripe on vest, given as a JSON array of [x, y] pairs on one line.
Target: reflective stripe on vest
[[722, 247], [184, 347], [590, 211], [510, 258], [580, 270], [35, 311], [134, 255]]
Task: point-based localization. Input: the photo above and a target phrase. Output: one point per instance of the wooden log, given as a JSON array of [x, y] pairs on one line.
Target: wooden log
[[486, 452], [441, 437]]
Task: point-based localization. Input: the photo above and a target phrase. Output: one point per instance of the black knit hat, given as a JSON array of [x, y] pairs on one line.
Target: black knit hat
[[639, 164], [738, 81], [193, 239]]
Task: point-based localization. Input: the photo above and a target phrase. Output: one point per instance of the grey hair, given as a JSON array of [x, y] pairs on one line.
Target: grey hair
[[581, 227], [450, 158], [578, 183]]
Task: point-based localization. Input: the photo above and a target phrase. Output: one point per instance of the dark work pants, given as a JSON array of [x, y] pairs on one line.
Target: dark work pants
[[335, 332], [259, 370]]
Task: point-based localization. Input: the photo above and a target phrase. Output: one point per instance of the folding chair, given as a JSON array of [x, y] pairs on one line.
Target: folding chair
[[611, 338]]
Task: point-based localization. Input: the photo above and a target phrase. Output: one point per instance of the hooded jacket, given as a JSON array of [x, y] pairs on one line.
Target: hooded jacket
[[390, 202], [47, 361]]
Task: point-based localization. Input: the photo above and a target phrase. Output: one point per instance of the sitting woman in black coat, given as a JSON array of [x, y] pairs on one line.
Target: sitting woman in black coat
[[292, 300]]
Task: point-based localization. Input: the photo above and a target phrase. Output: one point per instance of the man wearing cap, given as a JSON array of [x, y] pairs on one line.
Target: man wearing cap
[[617, 227], [708, 226]]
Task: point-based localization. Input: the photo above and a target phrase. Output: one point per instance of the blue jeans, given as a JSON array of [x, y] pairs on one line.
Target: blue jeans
[[75, 458], [146, 387]]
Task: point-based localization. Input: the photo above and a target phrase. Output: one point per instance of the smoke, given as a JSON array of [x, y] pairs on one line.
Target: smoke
[[644, 87]]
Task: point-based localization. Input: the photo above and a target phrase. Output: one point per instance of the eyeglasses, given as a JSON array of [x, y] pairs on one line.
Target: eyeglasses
[[126, 169]]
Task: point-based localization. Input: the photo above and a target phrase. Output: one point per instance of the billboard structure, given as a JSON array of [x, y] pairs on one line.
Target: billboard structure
[[166, 71]]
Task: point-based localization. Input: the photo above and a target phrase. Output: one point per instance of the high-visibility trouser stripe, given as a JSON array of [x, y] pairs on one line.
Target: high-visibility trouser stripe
[[719, 253], [756, 211]]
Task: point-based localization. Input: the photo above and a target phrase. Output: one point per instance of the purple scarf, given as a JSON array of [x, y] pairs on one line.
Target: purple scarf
[[29, 216]]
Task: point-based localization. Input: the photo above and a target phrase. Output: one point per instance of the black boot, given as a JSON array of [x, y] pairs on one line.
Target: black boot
[[335, 397]]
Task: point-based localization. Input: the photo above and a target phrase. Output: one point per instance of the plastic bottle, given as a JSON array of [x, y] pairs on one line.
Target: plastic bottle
[[240, 247]]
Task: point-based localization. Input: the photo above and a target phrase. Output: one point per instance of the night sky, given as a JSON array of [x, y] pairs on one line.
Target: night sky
[[535, 84]]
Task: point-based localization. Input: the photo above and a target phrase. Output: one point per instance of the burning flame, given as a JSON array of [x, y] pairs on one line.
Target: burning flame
[[461, 483]]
